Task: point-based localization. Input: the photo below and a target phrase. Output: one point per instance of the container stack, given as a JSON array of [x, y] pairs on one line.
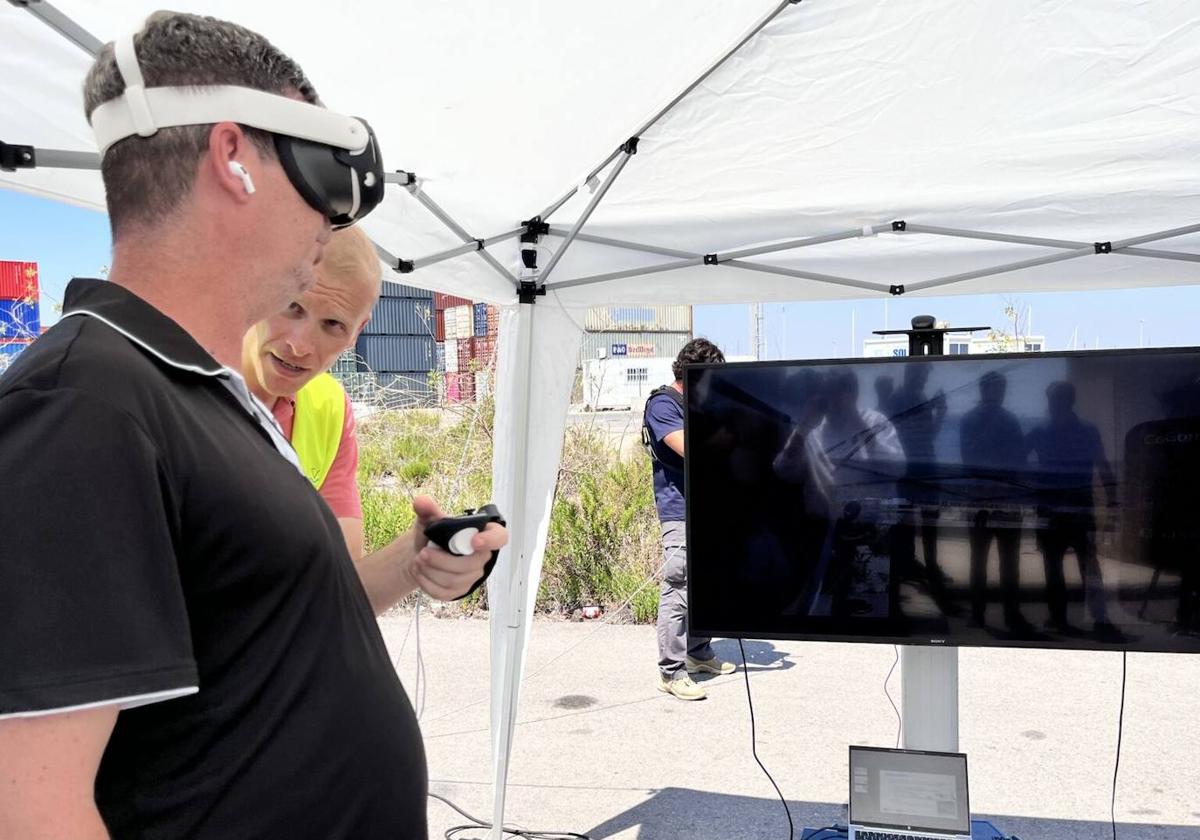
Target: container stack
[[20, 313], [466, 348], [396, 351], [646, 332]]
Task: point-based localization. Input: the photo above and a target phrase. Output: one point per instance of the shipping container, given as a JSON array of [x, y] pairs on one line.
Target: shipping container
[[450, 348], [9, 350], [466, 355], [441, 301], [449, 325], [401, 290], [483, 384], [480, 319], [493, 320], [439, 356], [347, 362], [386, 353], [602, 345], [18, 280], [401, 316], [439, 324], [20, 319], [460, 387], [483, 351], [666, 318], [464, 321], [410, 389]]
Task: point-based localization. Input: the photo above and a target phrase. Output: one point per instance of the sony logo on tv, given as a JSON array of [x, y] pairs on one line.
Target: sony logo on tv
[[1179, 437]]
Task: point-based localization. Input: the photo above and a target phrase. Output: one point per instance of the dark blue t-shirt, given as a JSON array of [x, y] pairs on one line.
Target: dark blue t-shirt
[[663, 416]]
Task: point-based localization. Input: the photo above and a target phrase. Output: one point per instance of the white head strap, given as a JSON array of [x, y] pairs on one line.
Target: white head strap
[[143, 111]]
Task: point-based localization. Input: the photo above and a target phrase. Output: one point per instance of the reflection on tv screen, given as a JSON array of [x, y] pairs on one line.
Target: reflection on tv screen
[[1041, 500]]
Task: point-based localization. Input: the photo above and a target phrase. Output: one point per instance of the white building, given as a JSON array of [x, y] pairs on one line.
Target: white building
[[957, 344]]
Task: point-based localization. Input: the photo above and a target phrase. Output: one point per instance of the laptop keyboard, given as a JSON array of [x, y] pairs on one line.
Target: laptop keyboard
[[887, 835]]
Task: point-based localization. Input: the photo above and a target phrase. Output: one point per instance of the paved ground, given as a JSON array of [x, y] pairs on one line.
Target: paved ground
[[598, 750]]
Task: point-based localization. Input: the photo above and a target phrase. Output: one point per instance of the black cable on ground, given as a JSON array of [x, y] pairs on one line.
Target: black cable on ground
[[1120, 729], [888, 694], [477, 824], [754, 744]]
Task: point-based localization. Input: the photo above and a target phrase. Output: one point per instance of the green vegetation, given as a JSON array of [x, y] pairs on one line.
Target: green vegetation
[[603, 546]]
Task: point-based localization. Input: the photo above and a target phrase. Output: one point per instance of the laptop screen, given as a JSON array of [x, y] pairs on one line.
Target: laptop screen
[[909, 791]]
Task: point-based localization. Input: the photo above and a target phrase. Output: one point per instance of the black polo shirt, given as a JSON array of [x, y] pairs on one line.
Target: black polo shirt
[[158, 551]]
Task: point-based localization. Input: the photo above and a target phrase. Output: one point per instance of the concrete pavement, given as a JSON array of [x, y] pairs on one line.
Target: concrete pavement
[[599, 751]]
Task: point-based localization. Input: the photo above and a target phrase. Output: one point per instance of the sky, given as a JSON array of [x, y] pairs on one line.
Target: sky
[[68, 241]]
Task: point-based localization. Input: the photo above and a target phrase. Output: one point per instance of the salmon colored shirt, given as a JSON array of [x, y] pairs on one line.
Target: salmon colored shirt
[[340, 490]]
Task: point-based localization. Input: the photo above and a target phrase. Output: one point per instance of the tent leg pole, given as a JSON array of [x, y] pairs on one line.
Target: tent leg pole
[[519, 550]]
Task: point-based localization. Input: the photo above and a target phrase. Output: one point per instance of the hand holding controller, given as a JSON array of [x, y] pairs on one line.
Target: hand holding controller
[[454, 533]]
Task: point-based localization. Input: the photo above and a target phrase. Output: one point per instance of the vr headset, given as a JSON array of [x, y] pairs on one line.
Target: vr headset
[[333, 161]]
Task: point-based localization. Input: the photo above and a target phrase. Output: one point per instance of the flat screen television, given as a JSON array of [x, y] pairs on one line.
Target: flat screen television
[[1036, 500]]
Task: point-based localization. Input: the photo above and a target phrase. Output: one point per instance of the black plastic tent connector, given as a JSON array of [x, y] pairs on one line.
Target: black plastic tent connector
[[534, 228], [528, 291], [896, 290], [710, 259], [411, 176], [404, 267], [900, 225], [630, 146], [479, 246], [14, 157], [1103, 247]]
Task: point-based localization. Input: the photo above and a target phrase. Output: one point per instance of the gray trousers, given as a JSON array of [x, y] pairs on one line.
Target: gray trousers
[[674, 641]]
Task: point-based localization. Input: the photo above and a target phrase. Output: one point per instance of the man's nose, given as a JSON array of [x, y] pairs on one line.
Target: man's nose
[[300, 343]]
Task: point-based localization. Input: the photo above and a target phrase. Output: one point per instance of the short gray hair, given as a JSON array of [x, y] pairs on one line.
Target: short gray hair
[[146, 178]]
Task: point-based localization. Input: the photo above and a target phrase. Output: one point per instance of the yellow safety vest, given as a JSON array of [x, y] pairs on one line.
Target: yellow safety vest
[[317, 426]]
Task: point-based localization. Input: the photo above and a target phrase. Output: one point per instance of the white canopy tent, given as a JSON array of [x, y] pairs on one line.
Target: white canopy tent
[[837, 148]]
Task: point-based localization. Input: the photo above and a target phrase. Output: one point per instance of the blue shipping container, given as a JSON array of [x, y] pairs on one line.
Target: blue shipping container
[[481, 319], [401, 290], [385, 353], [401, 316], [19, 319]]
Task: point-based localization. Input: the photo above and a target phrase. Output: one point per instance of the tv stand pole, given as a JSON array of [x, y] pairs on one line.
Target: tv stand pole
[[928, 673]]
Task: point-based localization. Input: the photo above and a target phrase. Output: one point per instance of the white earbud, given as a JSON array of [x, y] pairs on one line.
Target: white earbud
[[240, 171]]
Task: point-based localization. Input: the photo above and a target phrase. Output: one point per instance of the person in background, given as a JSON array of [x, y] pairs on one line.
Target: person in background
[[679, 654], [992, 446], [286, 359], [1070, 457]]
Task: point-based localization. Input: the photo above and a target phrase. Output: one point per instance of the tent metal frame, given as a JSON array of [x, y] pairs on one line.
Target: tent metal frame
[[930, 675]]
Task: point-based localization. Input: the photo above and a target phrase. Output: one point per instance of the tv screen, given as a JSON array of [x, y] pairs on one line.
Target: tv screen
[[1044, 500]]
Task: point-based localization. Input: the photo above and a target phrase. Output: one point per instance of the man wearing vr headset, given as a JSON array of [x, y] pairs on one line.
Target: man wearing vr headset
[[189, 651]]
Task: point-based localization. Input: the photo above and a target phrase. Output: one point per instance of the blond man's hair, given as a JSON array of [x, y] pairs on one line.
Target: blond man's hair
[[350, 258]]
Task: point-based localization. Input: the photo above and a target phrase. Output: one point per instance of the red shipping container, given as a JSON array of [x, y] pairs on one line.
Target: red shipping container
[[493, 320], [439, 325], [483, 350], [18, 280], [441, 301]]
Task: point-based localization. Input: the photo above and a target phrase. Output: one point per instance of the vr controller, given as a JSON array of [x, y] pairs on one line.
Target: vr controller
[[454, 533]]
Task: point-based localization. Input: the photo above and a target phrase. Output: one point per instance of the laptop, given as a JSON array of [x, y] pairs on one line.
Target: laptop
[[908, 795]]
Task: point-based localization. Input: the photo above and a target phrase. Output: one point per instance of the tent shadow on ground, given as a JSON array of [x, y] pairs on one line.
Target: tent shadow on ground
[[677, 813], [760, 656]]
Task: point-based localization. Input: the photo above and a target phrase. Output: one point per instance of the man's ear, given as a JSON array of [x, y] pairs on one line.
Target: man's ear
[[228, 144]]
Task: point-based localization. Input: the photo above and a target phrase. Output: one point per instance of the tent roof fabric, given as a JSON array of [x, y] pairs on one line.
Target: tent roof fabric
[[1036, 117]]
